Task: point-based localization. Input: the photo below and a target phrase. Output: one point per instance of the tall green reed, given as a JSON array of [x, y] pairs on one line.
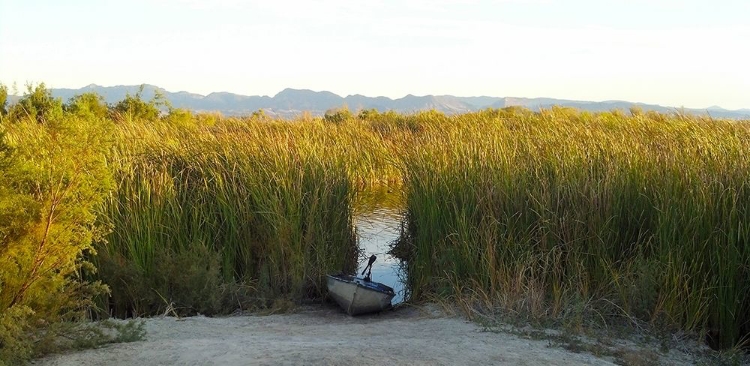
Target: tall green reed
[[628, 215], [259, 205]]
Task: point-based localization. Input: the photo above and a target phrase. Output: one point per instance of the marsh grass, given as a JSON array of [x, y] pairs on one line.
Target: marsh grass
[[640, 216], [240, 213], [562, 215]]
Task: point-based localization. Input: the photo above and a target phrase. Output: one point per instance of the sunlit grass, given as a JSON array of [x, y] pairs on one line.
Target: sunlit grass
[[556, 214], [268, 202], [648, 212]]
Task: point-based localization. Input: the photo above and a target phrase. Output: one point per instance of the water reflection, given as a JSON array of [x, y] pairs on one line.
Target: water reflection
[[377, 217]]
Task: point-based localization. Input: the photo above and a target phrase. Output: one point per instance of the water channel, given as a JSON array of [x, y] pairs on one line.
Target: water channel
[[377, 217]]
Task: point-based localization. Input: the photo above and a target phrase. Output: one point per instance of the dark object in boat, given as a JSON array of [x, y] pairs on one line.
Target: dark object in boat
[[368, 268]]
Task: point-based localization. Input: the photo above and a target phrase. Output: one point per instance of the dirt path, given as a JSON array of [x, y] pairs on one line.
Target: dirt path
[[325, 337]]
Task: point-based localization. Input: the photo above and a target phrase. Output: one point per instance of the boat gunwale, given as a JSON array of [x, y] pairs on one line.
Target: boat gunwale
[[350, 280]]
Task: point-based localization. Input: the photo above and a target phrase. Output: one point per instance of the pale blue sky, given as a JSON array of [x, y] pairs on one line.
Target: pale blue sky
[[671, 52]]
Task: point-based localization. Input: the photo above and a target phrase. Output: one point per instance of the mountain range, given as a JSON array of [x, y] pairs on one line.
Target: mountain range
[[293, 102]]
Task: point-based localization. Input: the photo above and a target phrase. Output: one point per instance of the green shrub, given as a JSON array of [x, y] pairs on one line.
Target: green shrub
[[54, 178], [3, 101], [338, 116], [16, 341], [87, 106], [134, 108], [37, 104]]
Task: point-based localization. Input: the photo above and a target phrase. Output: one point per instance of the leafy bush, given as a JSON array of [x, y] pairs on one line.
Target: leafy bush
[[3, 100], [134, 108], [16, 337], [185, 282], [54, 178], [180, 117], [87, 106], [38, 105], [338, 116]]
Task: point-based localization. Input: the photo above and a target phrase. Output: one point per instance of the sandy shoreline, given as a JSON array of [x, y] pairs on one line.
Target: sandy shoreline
[[327, 336]]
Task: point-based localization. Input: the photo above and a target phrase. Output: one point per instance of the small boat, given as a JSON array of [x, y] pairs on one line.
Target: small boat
[[357, 296], [360, 295]]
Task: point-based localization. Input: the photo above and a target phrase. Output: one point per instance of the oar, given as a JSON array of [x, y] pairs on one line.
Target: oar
[[368, 268]]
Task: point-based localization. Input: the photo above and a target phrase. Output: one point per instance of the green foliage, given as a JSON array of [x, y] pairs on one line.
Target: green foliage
[[338, 116], [559, 213], [368, 114], [16, 339], [134, 108], [206, 119], [180, 117], [186, 281], [21, 341], [128, 331], [38, 105], [3, 101], [87, 106], [204, 217], [59, 170], [54, 177], [393, 125], [260, 115], [643, 217]]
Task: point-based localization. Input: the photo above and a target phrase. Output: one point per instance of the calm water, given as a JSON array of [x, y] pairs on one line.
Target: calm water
[[377, 217]]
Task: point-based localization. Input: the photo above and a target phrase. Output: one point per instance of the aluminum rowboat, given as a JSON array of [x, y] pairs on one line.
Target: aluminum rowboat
[[358, 296]]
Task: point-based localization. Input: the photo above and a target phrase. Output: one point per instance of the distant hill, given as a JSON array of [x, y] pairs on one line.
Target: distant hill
[[291, 102]]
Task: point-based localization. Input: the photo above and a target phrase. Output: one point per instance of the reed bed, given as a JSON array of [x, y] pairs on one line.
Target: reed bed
[[209, 214], [564, 213], [209, 217], [553, 215], [558, 214]]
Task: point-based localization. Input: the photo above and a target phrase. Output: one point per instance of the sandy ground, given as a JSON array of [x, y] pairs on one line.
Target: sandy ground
[[327, 336]]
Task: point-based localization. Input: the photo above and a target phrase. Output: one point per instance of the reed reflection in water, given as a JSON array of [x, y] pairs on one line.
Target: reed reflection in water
[[377, 217]]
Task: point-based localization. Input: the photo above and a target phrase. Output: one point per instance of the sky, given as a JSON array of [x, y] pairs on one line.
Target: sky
[[670, 52]]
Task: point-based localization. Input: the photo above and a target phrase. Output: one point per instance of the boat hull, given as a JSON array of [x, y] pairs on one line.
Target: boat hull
[[357, 296]]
